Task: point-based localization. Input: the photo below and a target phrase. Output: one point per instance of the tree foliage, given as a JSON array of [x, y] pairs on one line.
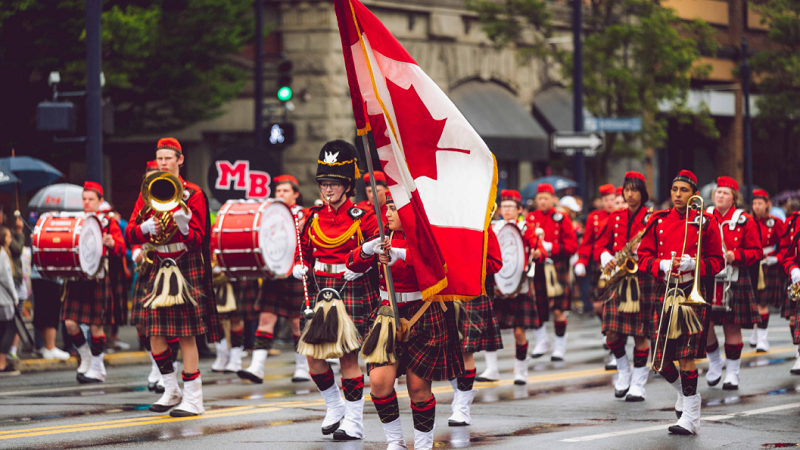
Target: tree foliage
[[167, 63], [637, 56]]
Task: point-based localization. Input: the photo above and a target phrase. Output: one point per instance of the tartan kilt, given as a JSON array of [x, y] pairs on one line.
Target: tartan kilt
[[432, 351], [595, 292], [775, 286], [796, 328], [139, 293], [186, 319], [89, 301], [359, 298], [284, 297], [629, 324], [788, 307], [563, 301], [246, 292], [686, 346], [742, 301], [516, 312], [479, 326]]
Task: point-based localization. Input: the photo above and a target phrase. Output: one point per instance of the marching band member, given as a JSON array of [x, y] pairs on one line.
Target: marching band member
[[665, 237], [331, 232], [246, 292], [595, 223], [431, 352], [734, 301], [790, 259], [560, 243], [772, 293], [627, 306], [280, 298], [186, 309], [480, 332], [92, 301], [518, 312], [380, 186]]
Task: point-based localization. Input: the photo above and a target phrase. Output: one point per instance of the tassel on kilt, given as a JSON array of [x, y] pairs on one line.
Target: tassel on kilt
[[170, 288], [379, 345], [331, 333], [554, 288], [628, 294], [226, 301], [761, 282], [685, 320]]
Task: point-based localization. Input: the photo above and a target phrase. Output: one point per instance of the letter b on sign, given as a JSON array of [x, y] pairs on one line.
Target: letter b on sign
[[259, 185]]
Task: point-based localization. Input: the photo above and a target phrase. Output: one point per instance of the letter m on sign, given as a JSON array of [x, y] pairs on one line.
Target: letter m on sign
[[237, 172]]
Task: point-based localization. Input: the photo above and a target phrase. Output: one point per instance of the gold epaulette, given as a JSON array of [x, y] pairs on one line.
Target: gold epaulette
[[320, 239]]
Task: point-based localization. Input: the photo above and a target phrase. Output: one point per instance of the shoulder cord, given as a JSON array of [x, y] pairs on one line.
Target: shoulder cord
[[327, 242]]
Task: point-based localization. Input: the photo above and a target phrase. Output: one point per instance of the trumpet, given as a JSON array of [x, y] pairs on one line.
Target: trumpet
[[162, 192], [675, 298]]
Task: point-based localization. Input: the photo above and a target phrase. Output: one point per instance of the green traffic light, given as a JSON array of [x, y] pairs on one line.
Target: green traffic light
[[285, 93]]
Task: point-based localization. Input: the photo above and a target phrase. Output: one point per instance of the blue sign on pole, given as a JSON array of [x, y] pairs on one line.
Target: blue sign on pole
[[613, 124]]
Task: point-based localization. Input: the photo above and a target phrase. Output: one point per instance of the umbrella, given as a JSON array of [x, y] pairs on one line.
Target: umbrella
[[7, 179], [558, 183], [33, 173], [58, 197]]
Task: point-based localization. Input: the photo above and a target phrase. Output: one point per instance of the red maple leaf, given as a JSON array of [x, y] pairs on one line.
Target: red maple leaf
[[419, 131], [378, 125]]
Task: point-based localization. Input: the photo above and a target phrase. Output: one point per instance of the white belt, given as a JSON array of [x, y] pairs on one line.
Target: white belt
[[329, 268], [403, 297], [689, 276], [769, 250], [725, 276], [171, 248]]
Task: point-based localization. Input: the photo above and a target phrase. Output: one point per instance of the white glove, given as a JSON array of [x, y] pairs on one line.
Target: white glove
[[148, 227], [182, 220], [665, 265], [687, 264], [372, 247], [605, 258], [216, 269], [135, 254], [795, 275], [299, 271], [548, 246], [580, 270], [349, 275], [771, 260], [396, 254]]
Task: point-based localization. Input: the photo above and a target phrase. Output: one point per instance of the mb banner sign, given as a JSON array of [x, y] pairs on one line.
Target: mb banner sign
[[242, 173]]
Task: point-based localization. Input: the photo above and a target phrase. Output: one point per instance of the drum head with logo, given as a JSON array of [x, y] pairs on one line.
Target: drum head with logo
[[90, 247], [278, 238], [514, 259]]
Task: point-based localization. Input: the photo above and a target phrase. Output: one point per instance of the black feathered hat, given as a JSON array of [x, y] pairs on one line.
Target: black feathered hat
[[338, 161]]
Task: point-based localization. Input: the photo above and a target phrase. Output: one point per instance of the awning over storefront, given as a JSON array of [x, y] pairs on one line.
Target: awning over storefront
[[553, 109], [504, 124]]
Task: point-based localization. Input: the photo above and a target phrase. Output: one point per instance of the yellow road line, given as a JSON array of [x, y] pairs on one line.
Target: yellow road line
[[276, 406]]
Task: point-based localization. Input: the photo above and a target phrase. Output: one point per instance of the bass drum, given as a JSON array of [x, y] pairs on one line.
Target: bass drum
[[511, 278], [68, 246], [254, 239]]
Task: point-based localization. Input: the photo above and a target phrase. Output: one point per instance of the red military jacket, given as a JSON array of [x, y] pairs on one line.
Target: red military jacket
[[403, 275], [494, 259], [195, 201], [772, 228], [558, 231], [329, 235], [620, 228], [367, 206], [667, 235], [595, 223], [788, 254], [743, 240]]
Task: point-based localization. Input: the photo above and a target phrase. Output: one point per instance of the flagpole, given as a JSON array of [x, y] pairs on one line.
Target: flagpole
[[368, 148]]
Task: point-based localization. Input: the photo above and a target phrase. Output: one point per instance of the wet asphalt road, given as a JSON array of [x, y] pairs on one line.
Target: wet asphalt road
[[565, 405]]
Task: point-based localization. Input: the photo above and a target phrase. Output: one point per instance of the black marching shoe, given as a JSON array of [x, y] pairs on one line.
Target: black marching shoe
[[715, 382], [330, 429], [677, 429], [622, 393], [340, 435]]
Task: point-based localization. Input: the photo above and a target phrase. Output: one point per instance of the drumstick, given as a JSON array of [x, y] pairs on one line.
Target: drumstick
[[308, 313]]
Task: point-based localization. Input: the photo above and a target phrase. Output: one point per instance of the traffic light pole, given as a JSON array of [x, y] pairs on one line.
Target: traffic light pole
[[94, 125], [259, 75], [748, 151], [577, 76]]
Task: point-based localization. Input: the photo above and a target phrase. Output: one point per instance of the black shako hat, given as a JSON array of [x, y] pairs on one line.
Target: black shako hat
[[338, 161]]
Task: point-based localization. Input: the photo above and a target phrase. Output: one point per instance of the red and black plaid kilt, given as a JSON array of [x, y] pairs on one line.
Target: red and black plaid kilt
[[629, 324], [285, 297], [796, 315], [788, 307], [775, 286], [686, 346], [432, 351], [562, 302], [479, 326], [516, 312], [89, 301], [742, 302], [139, 293], [246, 292], [186, 319], [595, 293], [359, 299]]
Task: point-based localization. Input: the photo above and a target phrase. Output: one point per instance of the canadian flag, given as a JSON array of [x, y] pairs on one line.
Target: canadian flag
[[441, 174]]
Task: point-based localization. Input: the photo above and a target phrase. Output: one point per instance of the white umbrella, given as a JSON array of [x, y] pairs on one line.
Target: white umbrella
[[58, 197]]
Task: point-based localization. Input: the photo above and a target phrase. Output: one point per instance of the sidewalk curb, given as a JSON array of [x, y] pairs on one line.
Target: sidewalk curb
[[111, 360]]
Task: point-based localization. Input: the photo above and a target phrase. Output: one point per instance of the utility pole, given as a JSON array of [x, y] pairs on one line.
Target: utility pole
[[577, 75], [94, 124], [259, 81], [748, 151]]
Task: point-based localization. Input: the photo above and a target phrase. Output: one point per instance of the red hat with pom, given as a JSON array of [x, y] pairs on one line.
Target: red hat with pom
[[92, 186], [727, 182], [687, 177], [545, 188], [606, 189], [169, 143], [635, 175], [760, 193], [510, 194]]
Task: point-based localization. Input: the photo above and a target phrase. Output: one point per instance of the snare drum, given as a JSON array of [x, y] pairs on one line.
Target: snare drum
[[68, 245], [254, 239]]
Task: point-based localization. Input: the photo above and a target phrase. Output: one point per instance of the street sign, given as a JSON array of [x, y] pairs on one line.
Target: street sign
[[570, 142], [613, 124]]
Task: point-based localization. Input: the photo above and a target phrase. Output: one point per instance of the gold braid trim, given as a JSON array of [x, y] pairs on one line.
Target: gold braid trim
[[326, 242]]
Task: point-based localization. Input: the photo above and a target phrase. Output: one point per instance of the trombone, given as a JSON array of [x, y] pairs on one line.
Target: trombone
[[674, 297]]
